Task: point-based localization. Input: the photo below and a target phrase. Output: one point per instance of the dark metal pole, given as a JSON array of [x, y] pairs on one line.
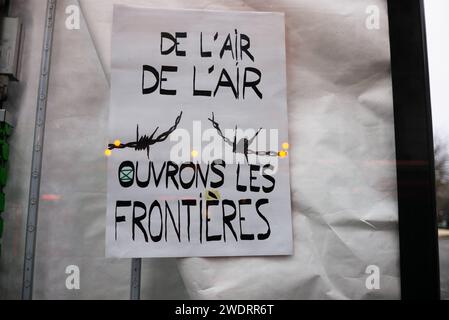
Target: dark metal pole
[[136, 266]]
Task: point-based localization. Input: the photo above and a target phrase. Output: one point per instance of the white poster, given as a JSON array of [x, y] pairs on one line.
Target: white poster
[[198, 155]]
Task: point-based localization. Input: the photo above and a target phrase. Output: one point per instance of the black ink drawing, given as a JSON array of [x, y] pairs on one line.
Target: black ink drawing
[[145, 142], [242, 146]]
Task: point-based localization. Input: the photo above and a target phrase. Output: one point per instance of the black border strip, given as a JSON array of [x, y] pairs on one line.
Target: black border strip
[[418, 235]]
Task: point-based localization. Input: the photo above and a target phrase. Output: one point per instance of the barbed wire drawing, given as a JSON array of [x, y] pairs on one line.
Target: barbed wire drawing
[[242, 145], [146, 141]]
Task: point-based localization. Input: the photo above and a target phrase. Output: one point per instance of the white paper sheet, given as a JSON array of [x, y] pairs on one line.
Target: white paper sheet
[[213, 83]]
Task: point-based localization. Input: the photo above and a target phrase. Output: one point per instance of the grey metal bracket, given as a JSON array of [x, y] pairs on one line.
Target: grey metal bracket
[[5, 116], [36, 165]]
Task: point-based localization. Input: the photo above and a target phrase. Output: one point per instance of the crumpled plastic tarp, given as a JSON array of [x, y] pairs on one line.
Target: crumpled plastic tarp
[[342, 163]]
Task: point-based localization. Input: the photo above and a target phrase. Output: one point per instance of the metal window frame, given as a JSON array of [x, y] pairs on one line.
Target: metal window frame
[[418, 233]]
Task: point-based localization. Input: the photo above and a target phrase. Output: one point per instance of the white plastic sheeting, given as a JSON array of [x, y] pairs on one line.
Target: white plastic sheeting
[[342, 162]]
